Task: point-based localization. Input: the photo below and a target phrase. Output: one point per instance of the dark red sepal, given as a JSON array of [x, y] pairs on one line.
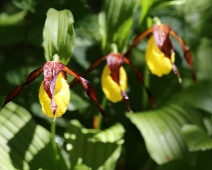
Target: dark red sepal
[[51, 70], [31, 77], [114, 62], [162, 39]]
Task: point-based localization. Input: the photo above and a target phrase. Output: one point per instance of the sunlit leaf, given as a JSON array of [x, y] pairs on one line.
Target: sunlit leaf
[[58, 35], [196, 138], [8, 20], [23, 144], [172, 2], [145, 8], [148, 6], [94, 148], [81, 167], [115, 22], [77, 103], [161, 131]]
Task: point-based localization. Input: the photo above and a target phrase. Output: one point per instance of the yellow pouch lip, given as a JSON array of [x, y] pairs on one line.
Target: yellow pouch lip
[[61, 97], [110, 88], [157, 63]]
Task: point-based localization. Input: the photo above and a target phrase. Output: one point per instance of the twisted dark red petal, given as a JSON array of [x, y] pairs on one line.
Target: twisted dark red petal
[[88, 88], [31, 77], [126, 100], [141, 79], [137, 40], [92, 66], [187, 53]]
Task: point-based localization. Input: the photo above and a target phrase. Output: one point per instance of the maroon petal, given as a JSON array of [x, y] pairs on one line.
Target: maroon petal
[[137, 40], [126, 100], [187, 53], [88, 88], [92, 66], [141, 79], [31, 77]]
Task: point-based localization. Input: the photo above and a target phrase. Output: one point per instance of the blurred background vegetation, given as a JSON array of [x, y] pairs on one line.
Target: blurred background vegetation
[[175, 135]]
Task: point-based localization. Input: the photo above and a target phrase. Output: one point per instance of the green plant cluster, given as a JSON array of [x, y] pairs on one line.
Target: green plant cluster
[[177, 134]]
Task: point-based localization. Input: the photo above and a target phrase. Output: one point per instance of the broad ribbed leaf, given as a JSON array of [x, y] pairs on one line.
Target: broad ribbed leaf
[[196, 138], [115, 22], [23, 144], [94, 148], [58, 35], [161, 129]]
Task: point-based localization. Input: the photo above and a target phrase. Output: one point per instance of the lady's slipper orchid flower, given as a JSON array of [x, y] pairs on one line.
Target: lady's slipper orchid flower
[[114, 78], [54, 94], [160, 54]]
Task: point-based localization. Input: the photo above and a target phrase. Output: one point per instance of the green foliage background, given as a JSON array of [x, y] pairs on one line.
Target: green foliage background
[[175, 135]]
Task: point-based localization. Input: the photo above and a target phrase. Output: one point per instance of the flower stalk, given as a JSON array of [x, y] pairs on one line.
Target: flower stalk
[[54, 144]]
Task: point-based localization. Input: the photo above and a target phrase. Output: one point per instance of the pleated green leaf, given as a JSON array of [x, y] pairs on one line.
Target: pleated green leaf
[[196, 138], [58, 35], [23, 144], [161, 129], [115, 22], [94, 148]]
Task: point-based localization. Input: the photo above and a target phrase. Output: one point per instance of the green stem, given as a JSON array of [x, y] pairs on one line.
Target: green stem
[[54, 144], [103, 104], [146, 83]]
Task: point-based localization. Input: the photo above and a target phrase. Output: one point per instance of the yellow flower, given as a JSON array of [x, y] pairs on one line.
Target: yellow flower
[[114, 78], [157, 62], [111, 89], [160, 54], [54, 94], [61, 97]]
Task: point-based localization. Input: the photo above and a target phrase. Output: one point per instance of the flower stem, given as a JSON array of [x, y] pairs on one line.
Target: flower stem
[[146, 83], [54, 145], [98, 118]]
